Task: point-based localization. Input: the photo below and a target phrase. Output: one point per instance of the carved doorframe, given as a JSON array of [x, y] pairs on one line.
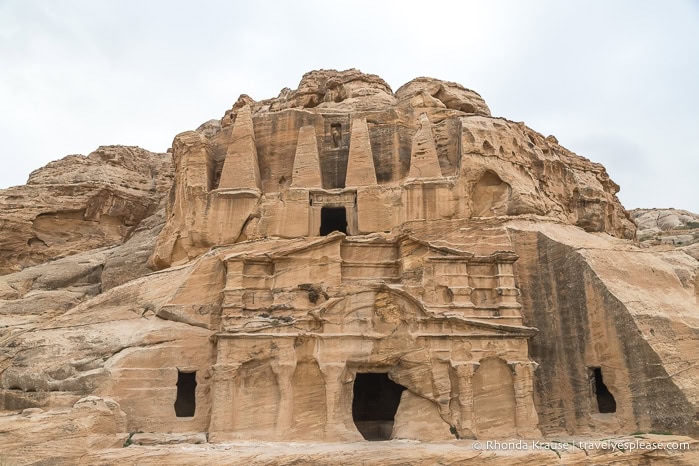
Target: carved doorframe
[[332, 198]]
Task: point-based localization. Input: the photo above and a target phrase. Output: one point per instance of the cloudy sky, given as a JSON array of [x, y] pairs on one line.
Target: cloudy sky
[[616, 82]]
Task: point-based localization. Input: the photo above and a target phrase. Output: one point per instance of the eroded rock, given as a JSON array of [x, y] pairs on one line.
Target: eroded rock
[[80, 203], [343, 263]]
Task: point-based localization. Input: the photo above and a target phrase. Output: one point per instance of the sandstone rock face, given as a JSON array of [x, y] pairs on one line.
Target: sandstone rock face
[[604, 304], [431, 150], [666, 229], [91, 424], [343, 263], [80, 203], [410, 453]]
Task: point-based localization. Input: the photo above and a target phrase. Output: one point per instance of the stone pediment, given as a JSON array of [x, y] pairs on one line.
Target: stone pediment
[[440, 249], [287, 248], [381, 312]]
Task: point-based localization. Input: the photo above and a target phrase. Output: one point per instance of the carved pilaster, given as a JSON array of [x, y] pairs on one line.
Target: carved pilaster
[[465, 422], [441, 383], [233, 293], [223, 399], [335, 427], [526, 418], [285, 373], [507, 292]]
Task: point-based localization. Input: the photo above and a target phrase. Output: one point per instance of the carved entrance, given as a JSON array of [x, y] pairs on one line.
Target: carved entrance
[[374, 406], [327, 208]]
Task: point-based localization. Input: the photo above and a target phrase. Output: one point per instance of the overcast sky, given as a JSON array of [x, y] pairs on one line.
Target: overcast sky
[[616, 82]]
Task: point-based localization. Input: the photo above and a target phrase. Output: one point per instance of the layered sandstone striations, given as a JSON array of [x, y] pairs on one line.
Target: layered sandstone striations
[[666, 229], [80, 203], [430, 136], [342, 263]]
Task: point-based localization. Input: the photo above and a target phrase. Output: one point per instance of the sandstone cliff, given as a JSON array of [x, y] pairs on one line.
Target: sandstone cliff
[[80, 203], [502, 167], [487, 272], [666, 229]]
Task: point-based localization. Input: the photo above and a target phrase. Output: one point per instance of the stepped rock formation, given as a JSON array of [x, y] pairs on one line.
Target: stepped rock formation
[[336, 264]]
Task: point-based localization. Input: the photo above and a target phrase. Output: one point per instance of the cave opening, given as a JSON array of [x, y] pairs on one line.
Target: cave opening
[[605, 400], [185, 403], [333, 219], [374, 406]]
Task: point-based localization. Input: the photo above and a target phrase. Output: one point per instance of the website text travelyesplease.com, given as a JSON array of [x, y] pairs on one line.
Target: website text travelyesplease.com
[[607, 444]]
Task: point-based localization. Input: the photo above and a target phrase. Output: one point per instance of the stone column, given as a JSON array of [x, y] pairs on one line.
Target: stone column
[[458, 284], [441, 382], [223, 400], [335, 428], [464, 374], [233, 293], [284, 371], [314, 212], [526, 418]]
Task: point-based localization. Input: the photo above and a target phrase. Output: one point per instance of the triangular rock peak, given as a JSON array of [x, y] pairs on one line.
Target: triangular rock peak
[[424, 162], [306, 173], [360, 165], [241, 169]]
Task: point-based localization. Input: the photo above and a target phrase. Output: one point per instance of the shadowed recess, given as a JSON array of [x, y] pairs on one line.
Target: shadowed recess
[[376, 399], [185, 404]]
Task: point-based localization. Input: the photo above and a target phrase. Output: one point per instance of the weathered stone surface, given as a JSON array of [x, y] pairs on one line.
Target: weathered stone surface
[[41, 292], [596, 302], [232, 183], [113, 343], [62, 436], [339, 263], [429, 92], [667, 229], [167, 439], [80, 203], [610, 452]]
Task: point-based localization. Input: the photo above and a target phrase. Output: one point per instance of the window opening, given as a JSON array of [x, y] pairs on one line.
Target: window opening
[[185, 403]]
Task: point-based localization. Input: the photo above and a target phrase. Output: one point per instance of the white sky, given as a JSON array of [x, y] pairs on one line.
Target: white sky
[[616, 82]]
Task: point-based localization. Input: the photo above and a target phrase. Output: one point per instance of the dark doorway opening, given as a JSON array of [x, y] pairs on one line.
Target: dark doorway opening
[[376, 399], [333, 219], [185, 403], [605, 400]]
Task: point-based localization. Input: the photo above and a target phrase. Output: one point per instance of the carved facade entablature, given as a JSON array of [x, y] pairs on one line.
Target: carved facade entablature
[[305, 276], [378, 312], [333, 198]]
